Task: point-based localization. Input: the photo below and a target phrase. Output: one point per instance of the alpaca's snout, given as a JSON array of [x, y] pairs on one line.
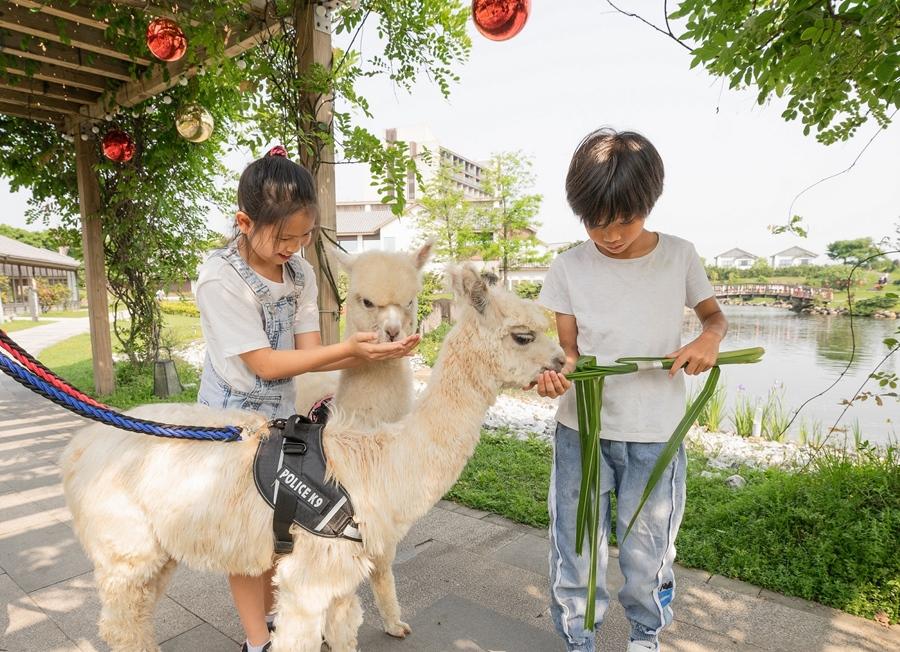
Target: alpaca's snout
[[556, 364], [392, 333]]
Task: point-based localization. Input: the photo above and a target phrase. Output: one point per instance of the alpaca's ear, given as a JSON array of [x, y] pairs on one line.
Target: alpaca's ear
[[468, 284], [344, 260], [422, 254]]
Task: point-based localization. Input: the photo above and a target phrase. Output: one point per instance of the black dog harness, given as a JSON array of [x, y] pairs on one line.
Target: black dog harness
[[289, 471]]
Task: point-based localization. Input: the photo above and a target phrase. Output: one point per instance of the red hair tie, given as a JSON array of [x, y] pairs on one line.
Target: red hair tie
[[278, 150]]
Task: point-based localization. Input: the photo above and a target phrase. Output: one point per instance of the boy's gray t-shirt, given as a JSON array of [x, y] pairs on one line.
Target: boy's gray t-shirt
[[629, 307]]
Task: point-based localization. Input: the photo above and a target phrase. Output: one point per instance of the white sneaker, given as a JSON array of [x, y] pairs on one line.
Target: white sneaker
[[643, 646]]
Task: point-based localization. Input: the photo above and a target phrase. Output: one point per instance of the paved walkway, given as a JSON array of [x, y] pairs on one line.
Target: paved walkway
[[36, 339], [467, 580]]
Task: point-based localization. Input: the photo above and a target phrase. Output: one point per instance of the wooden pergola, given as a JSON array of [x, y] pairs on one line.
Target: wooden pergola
[[77, 72]]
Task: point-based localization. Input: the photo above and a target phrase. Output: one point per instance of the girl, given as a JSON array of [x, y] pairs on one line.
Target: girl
[[260, 318]]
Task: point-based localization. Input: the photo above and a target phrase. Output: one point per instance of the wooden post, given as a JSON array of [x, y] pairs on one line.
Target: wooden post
[[94, 266], [314, 46]]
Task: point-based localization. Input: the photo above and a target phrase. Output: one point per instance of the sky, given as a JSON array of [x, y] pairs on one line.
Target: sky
[[733, 167]]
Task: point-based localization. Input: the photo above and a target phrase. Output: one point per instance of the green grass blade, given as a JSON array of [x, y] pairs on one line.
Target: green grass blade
[[674, 442], [595, 542]]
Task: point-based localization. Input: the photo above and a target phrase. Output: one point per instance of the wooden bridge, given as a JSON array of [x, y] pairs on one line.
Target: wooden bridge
[[799, 296]]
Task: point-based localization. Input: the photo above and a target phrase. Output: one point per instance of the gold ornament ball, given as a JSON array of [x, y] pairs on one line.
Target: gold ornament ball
[[194, 123]]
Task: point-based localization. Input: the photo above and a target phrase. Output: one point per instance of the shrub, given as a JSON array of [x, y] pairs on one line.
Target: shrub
[[431, 343], [188, 308], [528, 289], [868, 307]]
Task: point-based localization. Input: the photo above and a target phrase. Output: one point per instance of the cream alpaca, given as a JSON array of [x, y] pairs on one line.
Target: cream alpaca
[[381, 298], [140, 504]]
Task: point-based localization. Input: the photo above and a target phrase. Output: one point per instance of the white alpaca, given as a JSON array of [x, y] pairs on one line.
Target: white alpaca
[[381, 298], [140, 504]]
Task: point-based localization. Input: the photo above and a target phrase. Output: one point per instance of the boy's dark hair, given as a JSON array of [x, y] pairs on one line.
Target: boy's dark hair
[[613, 175], [274, 187]]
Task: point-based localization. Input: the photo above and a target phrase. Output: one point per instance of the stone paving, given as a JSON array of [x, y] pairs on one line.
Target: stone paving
[[467, 580]]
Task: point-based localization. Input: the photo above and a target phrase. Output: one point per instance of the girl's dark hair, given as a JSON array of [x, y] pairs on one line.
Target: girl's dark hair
[[274, 187], [613, 175]]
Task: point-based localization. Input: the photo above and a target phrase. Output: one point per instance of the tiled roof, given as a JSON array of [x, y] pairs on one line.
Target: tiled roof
[[363, 222], [737, 253], [13, 251], [796, 252]]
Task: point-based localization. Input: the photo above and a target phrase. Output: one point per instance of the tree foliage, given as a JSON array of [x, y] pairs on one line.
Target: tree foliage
[[512, 220], [154, 208], [837, 62], [850, 252], [446, 216]]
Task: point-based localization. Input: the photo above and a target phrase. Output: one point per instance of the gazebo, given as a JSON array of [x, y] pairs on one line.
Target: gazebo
[[66, 70]]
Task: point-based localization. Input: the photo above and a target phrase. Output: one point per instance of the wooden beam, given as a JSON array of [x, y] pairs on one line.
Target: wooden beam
[[94, 266], [47, 89], [23, 21], [58, 75], [65, 10], [314, 47], [37, 102], [72, 58], [41, 115], [138, 90]]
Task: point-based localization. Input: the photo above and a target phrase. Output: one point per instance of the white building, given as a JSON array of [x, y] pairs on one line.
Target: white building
[[420, 140], [20, 263], [368, 225], [737, 258], [793, 256]]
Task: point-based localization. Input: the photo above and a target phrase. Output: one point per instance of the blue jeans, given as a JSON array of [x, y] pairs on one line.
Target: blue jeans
[[645, 557]]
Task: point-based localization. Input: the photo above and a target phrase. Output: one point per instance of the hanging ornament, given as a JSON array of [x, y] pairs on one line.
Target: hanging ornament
[[500, 20], [84, 136], [183, 81], [118, 146], [95, 129], [241, 64], [166, 99], [166, 40], [194, 123], [108, 117]]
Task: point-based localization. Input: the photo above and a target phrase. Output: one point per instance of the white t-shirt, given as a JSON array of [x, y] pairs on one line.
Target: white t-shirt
[[232, 319], [629, 307]]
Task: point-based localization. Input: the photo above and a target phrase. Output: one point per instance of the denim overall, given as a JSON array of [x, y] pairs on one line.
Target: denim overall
[[274, 399]]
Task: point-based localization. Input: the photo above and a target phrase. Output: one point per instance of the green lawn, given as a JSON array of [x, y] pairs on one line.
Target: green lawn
[[22, 324], [66, 313], [72, 360], [830, 535]]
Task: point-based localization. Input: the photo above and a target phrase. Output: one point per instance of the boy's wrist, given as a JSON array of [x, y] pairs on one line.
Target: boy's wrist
[[712, 334]]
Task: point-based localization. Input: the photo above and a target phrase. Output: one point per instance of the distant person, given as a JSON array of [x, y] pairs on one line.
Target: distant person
[[622, 293]]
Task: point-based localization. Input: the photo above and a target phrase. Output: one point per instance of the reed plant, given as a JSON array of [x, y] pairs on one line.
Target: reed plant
[[713, 413], [742, 414], [811, 433], [775, 416]]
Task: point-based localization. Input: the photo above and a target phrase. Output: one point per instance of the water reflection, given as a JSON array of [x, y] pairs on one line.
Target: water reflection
[[806, 353]]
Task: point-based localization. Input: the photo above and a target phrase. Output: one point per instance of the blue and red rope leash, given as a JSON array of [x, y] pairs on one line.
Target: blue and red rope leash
[[19, 365]]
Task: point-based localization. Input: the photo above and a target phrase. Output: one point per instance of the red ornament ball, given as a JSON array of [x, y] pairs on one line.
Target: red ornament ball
[[166, 40], [500, 20], [118, 146]]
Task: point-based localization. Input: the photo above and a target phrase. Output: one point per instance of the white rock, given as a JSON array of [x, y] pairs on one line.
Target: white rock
[[735, 481]]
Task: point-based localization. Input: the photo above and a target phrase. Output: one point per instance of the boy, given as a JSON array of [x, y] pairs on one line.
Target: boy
[[622, 293]]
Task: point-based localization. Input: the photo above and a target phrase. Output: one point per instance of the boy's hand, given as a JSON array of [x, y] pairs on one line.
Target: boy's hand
[[552, 384], [697, 356], [366, 347]]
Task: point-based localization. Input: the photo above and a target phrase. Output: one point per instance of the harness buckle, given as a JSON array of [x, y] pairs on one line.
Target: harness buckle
[[292, 447], [278, 423]]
